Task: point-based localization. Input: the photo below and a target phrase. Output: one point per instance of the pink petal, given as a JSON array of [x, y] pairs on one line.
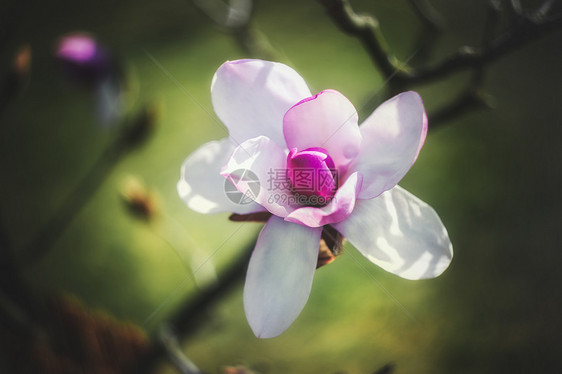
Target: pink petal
[[202, 187], [337, 210], [251, 96], [326, 120], [279, 277], [392, 138], [400, 233], [264, 158]]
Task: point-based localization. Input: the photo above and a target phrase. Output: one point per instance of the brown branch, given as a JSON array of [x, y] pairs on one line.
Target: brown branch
[[366, 29], [523, 30]]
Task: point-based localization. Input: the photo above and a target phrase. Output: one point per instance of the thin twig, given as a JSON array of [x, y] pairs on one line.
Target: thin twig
[[433, 25], [541, 13], [427, 13], [180, 360], [491, 24]]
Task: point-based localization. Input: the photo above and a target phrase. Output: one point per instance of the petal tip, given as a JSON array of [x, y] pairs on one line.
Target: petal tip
[[411, 94], [264, 334]]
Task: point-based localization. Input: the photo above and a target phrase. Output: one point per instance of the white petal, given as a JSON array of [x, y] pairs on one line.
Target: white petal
[[280, 275], [400, 233], [251, 97], [392, 138], [267, 161], [202, 187]]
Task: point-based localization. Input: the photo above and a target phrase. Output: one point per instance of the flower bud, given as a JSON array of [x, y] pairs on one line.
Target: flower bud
[[139, 200], [312, 174], [83, 59]]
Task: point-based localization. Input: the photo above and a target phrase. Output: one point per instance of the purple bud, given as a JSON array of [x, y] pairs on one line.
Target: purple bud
[[83, 58], [312, 173]]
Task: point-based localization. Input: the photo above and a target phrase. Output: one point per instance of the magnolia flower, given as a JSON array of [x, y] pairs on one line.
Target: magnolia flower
[[316, 168]]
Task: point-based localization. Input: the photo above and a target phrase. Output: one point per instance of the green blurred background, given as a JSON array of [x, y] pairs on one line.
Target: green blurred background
[[492, 175]]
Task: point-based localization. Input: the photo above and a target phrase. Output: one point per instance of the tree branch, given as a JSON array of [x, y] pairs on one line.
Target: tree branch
[[523, 30], [367, 30]]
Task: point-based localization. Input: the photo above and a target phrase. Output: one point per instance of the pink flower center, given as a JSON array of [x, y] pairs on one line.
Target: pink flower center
[[313, 175]]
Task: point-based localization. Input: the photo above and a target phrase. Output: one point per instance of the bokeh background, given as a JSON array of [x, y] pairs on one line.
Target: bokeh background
[[493, 176]]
